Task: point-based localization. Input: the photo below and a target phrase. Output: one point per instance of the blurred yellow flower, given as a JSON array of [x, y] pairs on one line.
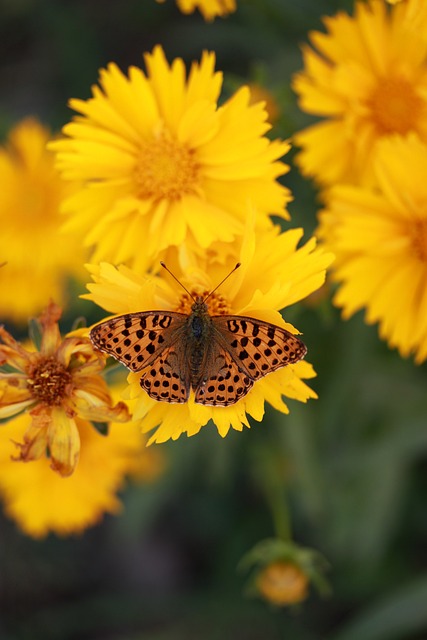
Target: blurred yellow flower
[[274, 274], [415, 12], [58, 385], [41, 501], [208, 8], [162, 163], [367, 77], [379, 238], [282, 583], [32, 247]]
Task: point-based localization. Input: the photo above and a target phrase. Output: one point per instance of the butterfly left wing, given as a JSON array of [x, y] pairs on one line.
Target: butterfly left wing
[[137, 339], [167, 379], [258, 347]]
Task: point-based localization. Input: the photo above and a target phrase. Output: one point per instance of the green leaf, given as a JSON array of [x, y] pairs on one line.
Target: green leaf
[[35, 332], [398, 616]]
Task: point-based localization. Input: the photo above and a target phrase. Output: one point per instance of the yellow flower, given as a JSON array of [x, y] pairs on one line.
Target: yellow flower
[[379, 238], [282, 583], [162, 163], [208, 8], [273, 275], [60, 386], [41, 501], [415, 12], [32, 246], [367, 76]]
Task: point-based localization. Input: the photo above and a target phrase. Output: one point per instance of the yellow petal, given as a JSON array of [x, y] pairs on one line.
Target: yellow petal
[[64, 442]]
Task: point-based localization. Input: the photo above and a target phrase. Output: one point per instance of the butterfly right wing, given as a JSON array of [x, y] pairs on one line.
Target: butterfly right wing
[[258, 347], [227, 384]]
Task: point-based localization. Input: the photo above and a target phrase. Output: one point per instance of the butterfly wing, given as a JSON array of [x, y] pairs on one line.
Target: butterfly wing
[[167, 379], [226, 386], [149, 340], [258, 347], [137, 339]]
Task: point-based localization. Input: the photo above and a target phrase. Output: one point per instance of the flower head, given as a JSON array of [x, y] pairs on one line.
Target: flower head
[[282, 583], [274, 274], [208, 8], [58, 385], [415, 12], [379, 238], [365, 87], [32, 245], [282, 571], [162, 163], [41, 501]]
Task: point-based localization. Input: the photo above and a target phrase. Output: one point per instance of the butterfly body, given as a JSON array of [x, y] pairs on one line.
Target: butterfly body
[[218, 357]]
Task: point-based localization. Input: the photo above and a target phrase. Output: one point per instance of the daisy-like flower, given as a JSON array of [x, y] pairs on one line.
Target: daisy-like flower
[[210, 9], [274, 274], [379, 238], [41, 501], [162, 163], [32, 245], [416, 12], [61, 388], [367, 77]]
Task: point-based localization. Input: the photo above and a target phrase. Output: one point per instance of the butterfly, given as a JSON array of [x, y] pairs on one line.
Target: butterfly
[[219, 357]]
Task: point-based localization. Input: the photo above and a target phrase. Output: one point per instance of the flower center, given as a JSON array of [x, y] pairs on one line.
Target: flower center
[[395, 106], [166, 169], [49, 381], [418, 234], [217, 305]]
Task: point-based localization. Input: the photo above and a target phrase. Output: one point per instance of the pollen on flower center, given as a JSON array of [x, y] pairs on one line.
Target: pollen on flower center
[[418, 234], [166, 169], [217, 304], [394, 106], [49, 381]]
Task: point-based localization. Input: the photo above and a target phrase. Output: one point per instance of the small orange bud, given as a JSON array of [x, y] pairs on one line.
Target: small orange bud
[[282, 583]]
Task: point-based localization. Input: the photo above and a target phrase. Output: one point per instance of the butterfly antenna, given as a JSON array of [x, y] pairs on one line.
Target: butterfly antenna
[[178, 281], [222, 281]]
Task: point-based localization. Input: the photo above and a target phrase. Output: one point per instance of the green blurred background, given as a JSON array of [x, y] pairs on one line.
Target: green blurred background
[[353, 462]]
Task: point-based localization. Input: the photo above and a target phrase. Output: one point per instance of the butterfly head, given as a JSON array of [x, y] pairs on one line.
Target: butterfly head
[[199, 306], [217, 304]]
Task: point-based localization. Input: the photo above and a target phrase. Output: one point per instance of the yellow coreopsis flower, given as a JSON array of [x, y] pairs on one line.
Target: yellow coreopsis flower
[[31, 243], [162, 163], [208, 8], [274, 274], [41, 501], [379, 238], [367, 76], [415, 12], [61, 388]]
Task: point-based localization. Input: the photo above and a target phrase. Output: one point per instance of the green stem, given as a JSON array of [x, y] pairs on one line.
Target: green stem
[[275, 493], [281, 518]]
